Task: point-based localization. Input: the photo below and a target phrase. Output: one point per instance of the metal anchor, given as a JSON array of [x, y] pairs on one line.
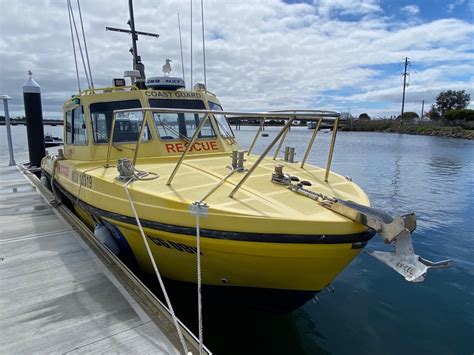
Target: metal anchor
[[395, 230]]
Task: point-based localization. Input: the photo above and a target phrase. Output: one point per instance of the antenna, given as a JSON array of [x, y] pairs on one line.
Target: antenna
[[181, 46], [73, 48], [85, 43], [203, 42], [137, 63], [79, 43], [191, 2]]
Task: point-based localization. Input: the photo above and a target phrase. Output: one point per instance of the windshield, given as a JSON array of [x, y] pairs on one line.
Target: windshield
[[180, 125], [127, 125], [224, 127]]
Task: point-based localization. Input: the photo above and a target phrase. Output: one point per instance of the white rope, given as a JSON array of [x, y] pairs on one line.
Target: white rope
[[155, 267], [198, 206]]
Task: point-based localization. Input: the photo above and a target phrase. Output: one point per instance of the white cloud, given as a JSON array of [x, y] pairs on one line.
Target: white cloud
[[411, 10], [453, 5], [347, 7], [260, 54]]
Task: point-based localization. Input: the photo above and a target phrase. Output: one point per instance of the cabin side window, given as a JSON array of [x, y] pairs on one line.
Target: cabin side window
[[69, 127], [180, 125], [76, 132], [222, 123], [127, 125]]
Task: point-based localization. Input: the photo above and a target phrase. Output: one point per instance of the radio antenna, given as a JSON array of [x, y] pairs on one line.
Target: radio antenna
[[203, 43], [181, 46], [74, 48], [191, 2], [137, 62], [85, 44]]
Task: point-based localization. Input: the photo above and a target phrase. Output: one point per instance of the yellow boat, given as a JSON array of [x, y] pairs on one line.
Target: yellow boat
[[161, 161]]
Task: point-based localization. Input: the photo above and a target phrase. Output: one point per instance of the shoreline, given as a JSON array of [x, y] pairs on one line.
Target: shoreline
[[419, 129]]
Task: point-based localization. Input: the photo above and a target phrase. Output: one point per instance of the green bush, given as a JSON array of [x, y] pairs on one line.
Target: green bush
[[464, 114]]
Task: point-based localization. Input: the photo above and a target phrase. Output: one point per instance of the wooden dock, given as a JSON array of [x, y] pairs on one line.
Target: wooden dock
[[60, 292]]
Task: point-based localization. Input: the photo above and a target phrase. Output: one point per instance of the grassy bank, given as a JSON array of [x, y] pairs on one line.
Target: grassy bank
[[418, 128]]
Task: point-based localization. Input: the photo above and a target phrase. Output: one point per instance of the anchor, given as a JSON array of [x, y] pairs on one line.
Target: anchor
[[396, 230]]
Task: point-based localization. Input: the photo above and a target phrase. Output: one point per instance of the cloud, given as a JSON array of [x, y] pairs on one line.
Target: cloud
[[411, 10], [453, 5], [347, 7], [260, 54]]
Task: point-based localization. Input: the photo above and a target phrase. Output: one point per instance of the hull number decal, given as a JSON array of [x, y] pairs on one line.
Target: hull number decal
[[197, 147], [86, 180], [173, 245]]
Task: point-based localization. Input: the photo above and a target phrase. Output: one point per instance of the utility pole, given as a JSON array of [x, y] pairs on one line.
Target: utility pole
[[422, 108], [405, 74]]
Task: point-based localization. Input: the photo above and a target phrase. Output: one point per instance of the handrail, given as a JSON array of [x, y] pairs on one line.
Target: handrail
[[277, 151], [188, 147], [331, 149], [311, 142], [261, 157], [307, 115], [260, 129]]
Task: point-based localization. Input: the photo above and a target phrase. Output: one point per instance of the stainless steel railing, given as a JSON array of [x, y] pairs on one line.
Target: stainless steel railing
[[288, 115]]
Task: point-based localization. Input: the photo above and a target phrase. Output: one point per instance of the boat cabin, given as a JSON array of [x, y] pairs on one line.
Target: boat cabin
[[88, 123]]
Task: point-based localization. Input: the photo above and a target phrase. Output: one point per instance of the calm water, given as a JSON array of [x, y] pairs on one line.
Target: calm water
[[373, 310]]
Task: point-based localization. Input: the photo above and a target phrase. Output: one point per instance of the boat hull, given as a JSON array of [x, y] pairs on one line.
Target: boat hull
[[278, 271]]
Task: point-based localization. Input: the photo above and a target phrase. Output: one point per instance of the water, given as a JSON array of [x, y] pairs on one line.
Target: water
[[373, 310]]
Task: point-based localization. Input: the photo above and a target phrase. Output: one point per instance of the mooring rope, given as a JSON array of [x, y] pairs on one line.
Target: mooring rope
[[155, 267], [197, 209]]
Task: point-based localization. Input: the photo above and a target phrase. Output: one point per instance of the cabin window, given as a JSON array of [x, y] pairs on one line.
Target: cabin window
[[180, 125], [69, 127], [76, 132], [127, 125], [222, 123]]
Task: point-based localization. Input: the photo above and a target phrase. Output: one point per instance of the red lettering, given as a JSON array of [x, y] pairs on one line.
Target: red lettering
[[214, 146], [179, 147], [195, 145], [205, 145], [170, 147]]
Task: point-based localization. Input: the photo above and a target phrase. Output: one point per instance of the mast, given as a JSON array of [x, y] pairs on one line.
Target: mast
[[137, 62]]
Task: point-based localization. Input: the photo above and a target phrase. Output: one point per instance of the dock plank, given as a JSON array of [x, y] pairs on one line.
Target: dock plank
[[54, 294]]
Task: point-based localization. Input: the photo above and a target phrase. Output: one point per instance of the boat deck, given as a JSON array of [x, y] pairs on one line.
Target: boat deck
[[56, 295]]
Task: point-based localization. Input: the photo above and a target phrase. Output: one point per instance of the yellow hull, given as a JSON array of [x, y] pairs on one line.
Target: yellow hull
[[300, 247], [241, 263]]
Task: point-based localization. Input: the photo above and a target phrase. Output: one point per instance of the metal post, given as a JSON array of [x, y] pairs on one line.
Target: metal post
[[5, 99], [259, 160], [311, 142], [331, 148], [139, 140], [190, 144], [111, 140], [34, 120], [280, 144], [260, 129]]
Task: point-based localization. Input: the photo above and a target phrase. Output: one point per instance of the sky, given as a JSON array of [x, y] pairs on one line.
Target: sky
[[344, 55]]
